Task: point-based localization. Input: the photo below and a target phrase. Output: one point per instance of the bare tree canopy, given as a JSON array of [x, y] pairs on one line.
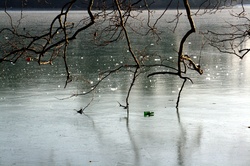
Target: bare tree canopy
[[111, 21], [83, 4]]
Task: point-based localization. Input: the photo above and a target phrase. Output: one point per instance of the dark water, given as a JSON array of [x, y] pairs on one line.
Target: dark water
[[36, 128]]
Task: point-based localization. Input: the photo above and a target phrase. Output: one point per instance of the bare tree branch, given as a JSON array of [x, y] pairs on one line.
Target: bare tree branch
[[113, 21]]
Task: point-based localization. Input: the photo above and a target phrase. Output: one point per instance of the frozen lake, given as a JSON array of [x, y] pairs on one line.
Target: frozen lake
[[36, 128]]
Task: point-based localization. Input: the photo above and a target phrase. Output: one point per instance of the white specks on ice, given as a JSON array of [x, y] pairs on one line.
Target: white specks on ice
[[113, 89]]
